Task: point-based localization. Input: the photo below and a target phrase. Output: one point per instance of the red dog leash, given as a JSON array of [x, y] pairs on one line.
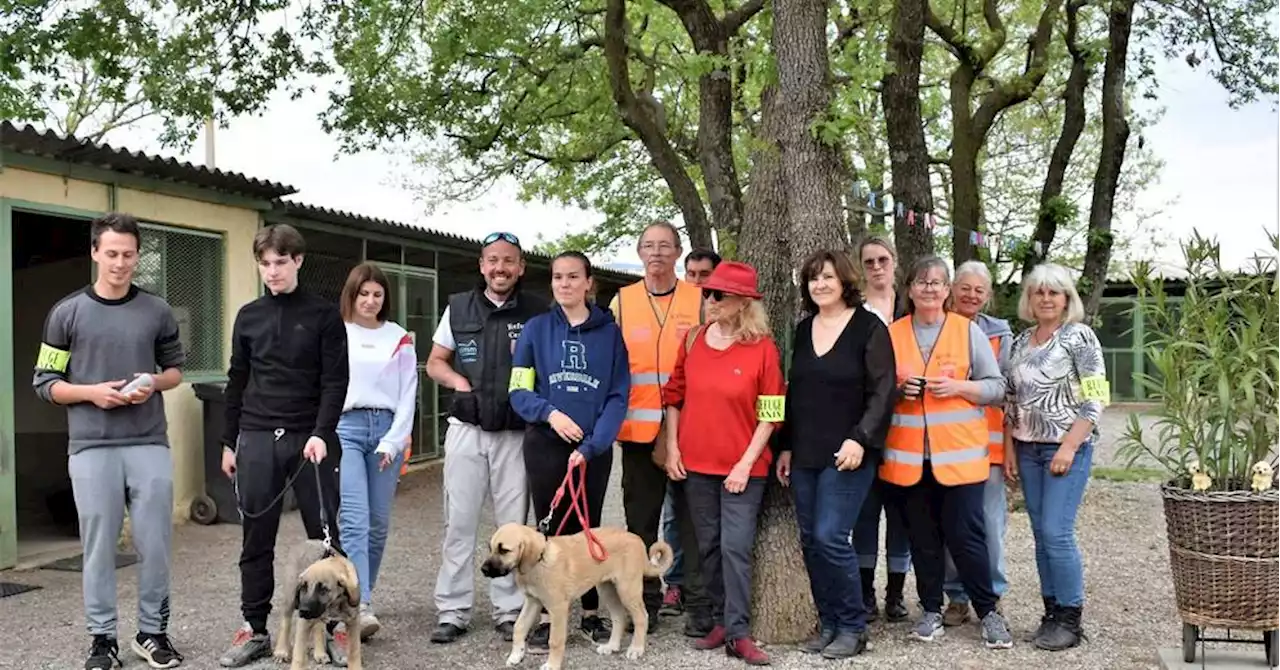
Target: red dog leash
[[578, 506]]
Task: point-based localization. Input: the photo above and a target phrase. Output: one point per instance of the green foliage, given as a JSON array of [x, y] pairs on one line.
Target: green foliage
[[175, 56], [1216, 364]]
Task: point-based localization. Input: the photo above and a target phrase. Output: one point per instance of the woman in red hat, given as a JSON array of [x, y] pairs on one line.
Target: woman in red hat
[[723, 401]]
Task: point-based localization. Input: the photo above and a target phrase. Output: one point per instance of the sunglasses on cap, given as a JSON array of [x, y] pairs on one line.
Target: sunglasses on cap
[[713, 294], [505, 237]]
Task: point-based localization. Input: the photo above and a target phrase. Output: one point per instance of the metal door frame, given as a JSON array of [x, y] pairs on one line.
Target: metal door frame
[[401, 274]]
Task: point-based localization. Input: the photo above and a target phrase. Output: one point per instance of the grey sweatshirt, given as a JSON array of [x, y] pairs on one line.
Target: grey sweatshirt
[[88, 340]]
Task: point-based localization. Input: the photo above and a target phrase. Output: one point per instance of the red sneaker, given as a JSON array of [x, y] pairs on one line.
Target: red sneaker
[[746, 649], [713, 640]]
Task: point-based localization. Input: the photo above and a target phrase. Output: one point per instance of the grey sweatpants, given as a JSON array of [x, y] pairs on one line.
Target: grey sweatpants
[[99, 478], [478, 464]]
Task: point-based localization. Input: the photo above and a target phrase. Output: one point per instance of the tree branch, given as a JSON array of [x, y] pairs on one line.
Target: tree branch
[[736, 18], [1006, 94], [955, 42]]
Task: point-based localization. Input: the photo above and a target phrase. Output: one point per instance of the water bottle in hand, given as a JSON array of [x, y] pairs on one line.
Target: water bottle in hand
[[143, 380]]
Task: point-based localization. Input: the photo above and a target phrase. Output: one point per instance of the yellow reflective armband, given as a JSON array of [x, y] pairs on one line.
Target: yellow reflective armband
[[771, 408], [521, 379], [52, 358], [1096, 388]]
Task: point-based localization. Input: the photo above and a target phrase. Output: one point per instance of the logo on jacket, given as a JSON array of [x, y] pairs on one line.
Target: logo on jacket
[[573, 363], [468, 352]]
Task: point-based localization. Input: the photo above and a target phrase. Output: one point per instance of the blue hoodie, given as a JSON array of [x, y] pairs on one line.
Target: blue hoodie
[[583, 371]]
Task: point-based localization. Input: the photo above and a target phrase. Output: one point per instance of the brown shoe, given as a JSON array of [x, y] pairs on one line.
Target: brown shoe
[[956, 614], [746, 649]]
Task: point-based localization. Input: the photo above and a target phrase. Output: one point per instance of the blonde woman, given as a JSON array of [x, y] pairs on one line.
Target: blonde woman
[[1056, 391], [723, 400]]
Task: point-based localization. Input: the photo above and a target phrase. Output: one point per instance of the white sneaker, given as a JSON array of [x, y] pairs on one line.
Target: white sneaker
[[368, 622]]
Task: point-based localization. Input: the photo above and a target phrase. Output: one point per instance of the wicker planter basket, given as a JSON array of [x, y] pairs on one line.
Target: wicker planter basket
[[1224, 552]]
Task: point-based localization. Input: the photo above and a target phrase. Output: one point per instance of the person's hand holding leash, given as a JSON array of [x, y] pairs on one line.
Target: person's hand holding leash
[[315, 449], [576, 459], [384, 461]]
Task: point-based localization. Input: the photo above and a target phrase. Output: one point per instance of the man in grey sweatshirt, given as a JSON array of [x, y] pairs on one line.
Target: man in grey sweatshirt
[[95, 342]]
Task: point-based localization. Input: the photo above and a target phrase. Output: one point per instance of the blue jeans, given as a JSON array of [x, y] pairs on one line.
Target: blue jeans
[[671, 535], [866, 534], [364, 515], [1052, 503], [995, 516], [827, 506]]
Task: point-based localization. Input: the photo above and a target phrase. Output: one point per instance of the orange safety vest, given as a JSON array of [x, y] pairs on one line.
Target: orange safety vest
[[653, 343], [995, 419], [956, 428]]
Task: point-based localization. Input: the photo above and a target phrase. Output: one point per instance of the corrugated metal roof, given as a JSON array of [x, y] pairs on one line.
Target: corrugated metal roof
[[48, 144], [336, 217]]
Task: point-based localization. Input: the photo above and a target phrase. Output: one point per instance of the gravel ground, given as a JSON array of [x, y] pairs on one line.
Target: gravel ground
[[1130, 610]]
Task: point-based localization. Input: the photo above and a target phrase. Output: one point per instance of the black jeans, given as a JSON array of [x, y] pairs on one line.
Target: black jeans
[[644, 486], [726, 527], [546, 460], [946, 516], [264, 464]]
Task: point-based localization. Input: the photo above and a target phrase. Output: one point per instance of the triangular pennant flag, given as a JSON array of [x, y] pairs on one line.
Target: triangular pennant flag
[[898, 208], [911, 217]]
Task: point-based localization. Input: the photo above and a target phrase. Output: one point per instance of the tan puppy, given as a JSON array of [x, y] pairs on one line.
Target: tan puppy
[[555, 571], [320, 586]]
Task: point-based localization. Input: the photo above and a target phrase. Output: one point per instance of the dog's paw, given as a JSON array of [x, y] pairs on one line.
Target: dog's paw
[[634, 652], [281, 655], [320, 656], [606, 649], [515, 657]]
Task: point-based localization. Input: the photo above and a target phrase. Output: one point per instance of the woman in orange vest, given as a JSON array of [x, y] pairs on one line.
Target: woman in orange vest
[[1057, 390], [935, 463], [970, 294], [723, 401]]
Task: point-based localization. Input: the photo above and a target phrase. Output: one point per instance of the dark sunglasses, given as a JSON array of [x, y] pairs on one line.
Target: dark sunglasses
[[713, 294], [505, 237], [879, 260]]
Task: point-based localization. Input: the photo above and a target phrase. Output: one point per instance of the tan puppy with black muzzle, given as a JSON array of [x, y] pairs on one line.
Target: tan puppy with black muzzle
[[555, 571], [320, 586]]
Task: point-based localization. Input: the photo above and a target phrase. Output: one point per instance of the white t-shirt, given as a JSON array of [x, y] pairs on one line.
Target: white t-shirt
[[383, 366]]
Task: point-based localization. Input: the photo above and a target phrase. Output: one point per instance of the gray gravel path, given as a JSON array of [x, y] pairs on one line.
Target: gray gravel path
[[1130, 609]]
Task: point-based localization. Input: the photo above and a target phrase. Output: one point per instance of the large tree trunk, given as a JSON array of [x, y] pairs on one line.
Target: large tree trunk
[[904, 128], [1115, 136], [782, 608], [810, 166], [1052, 205]]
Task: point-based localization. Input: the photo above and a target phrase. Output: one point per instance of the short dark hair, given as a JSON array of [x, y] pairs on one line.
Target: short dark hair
[[281, 238], [586, 262], [364, 272], [846, 272], [702, 255], [116, 222]]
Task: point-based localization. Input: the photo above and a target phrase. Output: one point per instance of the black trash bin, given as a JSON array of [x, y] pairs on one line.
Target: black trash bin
[[219, 503]]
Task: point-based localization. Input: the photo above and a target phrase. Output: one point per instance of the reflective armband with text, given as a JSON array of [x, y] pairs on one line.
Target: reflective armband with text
[[521, 379], [1096, 388], [770, 408], [52, 359]]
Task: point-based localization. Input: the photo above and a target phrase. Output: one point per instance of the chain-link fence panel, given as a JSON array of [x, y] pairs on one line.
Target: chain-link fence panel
[[186, 269], [325, 275]]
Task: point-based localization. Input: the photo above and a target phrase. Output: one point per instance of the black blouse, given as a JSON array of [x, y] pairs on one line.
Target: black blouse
[[846, 394]]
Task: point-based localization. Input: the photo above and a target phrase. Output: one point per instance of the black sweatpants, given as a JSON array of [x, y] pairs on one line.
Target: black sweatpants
[[546, 461], [939, 516], [264, 463], [644, 489]]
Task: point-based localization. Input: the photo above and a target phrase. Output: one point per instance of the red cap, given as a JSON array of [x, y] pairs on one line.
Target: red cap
[[734, 278]]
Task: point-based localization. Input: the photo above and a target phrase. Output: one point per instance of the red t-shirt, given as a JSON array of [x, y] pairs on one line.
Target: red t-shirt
[[716, 392]]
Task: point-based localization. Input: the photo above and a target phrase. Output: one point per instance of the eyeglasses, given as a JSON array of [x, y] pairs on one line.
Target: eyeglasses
[[931, 285], [879, 260], [712, 294], [657, 246], [505, 237]]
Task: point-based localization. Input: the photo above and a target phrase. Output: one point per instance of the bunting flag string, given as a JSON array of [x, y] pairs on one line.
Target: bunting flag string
[[912, 216]]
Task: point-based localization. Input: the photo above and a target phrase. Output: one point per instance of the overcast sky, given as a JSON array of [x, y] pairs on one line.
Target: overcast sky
[[1220, 171]]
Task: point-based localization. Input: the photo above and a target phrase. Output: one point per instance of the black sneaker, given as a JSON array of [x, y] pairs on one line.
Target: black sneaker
[[104, 654], [507, 629], [539, 641], [246, 647], [446, 633], [595, 629], [697, 626], [156, 650]]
